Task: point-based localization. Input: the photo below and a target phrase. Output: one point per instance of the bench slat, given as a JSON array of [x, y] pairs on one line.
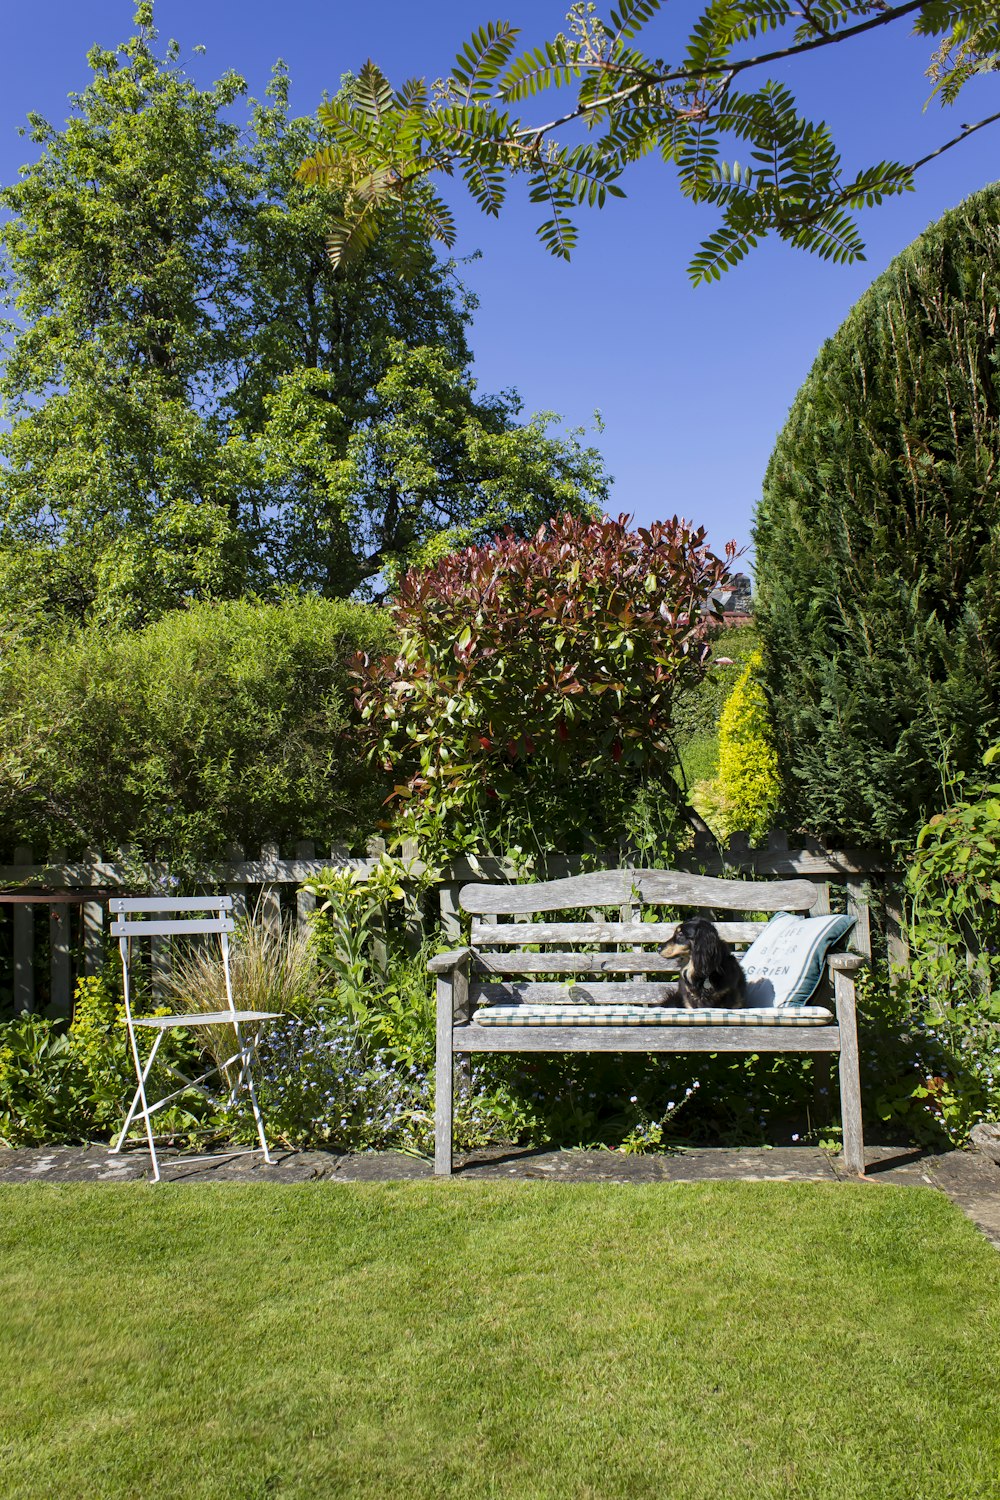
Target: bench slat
[[521, 933], [574, 963], [488, 933], [654, 887], [671, 888], [470, 1038], [582, 994]]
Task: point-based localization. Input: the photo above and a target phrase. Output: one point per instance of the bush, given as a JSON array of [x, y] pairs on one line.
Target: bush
[[70, 1084], [947, 1005], [532, 694], [225, 722], [699, 705], [746, 788], [878, 544]]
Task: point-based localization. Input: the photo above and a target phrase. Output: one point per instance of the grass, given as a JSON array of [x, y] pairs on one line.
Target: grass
[[496, 1340]]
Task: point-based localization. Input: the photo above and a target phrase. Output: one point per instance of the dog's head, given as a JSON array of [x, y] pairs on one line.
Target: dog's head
[[697, 940]]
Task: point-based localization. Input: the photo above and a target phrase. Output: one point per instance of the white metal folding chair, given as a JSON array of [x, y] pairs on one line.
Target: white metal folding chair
[[161, 917]]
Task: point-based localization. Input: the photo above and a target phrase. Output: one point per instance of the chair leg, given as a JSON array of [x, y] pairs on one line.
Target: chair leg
[[132, 1112], [141, 1091], [247, 1053]]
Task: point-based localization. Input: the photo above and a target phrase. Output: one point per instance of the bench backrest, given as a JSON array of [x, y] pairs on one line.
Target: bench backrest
[[631, 892]]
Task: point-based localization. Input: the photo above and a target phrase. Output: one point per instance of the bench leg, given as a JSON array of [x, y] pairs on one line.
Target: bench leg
[[444, 1079], [850, 1076]]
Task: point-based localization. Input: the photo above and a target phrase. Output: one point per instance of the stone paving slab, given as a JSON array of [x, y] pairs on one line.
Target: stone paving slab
[[970, 1178]]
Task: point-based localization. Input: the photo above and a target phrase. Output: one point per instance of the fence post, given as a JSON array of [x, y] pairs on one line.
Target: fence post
[[60, 999], [159, 967], [451, 922], [93, 926], [413, 915], [859, 907], [305, 901], [24, 945], [237, 889], [737, 849], [895, 930], [270, 895], [380, 948]]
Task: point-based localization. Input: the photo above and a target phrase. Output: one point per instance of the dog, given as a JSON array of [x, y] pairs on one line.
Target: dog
[[711, 975]]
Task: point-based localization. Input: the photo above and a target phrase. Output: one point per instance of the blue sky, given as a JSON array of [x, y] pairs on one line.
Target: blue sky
[[693, 384]]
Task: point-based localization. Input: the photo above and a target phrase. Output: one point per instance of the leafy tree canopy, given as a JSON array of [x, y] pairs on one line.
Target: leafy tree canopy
[[736, 138], [200, 404]]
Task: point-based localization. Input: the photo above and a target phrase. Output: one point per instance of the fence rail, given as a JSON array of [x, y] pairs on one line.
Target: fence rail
[[46, 956]]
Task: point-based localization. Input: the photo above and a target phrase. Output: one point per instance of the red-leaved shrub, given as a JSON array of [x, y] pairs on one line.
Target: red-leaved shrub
[[535, 678]]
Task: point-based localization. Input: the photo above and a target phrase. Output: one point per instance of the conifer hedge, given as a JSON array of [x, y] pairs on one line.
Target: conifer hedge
[[877, 543]]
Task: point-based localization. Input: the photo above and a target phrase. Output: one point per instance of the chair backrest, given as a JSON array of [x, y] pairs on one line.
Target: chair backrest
[[630, 891], [164, 917], [159, 916]]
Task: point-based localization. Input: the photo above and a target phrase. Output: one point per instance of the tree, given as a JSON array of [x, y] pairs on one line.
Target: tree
[[878, 544], [383, 146], [532, 690], [122, 266], [200, 405]]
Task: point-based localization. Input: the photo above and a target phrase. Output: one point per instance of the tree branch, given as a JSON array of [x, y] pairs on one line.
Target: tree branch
[[741, 65], [956, 140]]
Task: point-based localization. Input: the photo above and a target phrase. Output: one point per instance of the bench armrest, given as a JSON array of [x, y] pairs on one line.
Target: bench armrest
[[845, 963], [441, 963]]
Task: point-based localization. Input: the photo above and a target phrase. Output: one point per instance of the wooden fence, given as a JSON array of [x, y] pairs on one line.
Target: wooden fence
[[52, 914]]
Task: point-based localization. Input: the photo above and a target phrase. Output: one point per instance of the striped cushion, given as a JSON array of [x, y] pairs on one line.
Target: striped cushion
[[641, 1015]]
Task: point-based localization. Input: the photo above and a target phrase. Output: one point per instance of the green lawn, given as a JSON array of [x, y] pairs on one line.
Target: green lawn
[[524, 1339]]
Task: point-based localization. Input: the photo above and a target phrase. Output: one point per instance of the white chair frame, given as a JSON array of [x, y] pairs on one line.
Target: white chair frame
[[138, 918]]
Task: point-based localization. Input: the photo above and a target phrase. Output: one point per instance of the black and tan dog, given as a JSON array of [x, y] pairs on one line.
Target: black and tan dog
[[711, 975]]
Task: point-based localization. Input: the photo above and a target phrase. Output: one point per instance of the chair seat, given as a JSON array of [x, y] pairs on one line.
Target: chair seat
[[567, 1014], [206, 1018]]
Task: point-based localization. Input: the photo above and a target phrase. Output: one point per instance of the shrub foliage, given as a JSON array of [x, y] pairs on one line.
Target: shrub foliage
[[878, 542], [953, 985], [747, 786], [222, 722], [535, 680]]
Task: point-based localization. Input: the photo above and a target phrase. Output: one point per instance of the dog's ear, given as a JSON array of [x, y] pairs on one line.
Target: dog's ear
[[708, 951]]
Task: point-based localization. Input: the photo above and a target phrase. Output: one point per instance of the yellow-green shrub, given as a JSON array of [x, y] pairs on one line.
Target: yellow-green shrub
[[746, 788]]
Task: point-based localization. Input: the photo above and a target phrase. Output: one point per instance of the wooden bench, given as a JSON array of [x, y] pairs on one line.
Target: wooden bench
[[497, 968]]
